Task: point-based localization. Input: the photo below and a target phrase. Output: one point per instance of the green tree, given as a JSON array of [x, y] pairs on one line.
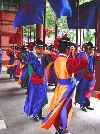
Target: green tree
[[84, 1], [89, 36], [50, 17]]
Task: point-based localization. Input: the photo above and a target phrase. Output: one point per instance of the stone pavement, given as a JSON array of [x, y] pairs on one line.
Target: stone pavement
[[12, 98]]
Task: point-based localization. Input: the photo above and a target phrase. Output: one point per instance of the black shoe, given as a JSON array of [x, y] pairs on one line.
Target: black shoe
[[83, 109], [59, 131], [41, 118], [36, 118], [65, 132], [56, 132], [90, 108]]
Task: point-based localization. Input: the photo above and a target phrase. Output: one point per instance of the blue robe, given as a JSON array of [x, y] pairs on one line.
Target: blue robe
[[37, 95], [28, 69], [83, 83], [91, 68]]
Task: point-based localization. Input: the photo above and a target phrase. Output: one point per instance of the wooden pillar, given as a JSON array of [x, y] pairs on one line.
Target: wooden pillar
[[39, 32], [97, 87], [98, 32], [56, 27], [41, 29], [0, 40], [19, 32], [77, 21]]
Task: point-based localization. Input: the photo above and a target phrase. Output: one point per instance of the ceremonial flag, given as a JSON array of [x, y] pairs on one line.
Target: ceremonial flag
[[61, 7], [30, 12], [72, 20], [87, 16]]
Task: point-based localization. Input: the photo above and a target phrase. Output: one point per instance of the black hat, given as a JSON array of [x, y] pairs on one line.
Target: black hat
[[40, 43], [65, 37], [63, 45], [90, 44], [84, 45]]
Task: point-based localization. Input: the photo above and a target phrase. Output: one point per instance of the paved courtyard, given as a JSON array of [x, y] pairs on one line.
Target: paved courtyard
[[13, 120]]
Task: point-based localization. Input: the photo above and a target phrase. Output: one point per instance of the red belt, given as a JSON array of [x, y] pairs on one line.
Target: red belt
[[36, 79]]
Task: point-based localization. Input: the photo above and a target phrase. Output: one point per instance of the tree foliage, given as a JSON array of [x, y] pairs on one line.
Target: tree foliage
[[89, 36]]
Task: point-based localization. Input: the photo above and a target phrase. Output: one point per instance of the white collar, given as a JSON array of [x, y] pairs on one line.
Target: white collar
[[61, 54]]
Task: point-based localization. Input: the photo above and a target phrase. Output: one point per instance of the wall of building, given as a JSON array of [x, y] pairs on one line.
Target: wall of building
[[97, 87], [6, 30]]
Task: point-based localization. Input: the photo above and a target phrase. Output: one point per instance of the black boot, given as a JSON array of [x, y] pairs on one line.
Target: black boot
[[40, 115], [36, 118], [59, 131], [89, 108], [56, 132], [88, 104], [66, 131], [83, 108]]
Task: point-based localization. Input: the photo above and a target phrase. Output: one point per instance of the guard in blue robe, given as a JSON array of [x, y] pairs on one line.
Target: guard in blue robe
[[27, 58], [37, 86], [91, 72], [82, 82], [11, 67], [86, 79]]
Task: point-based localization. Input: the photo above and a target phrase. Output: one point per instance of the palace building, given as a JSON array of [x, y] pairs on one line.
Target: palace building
[[9, 36]]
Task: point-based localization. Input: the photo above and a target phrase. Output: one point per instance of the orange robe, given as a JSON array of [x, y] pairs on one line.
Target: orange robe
[[58, 101]]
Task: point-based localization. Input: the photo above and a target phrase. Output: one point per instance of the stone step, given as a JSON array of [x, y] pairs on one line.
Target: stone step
[[2, 124]]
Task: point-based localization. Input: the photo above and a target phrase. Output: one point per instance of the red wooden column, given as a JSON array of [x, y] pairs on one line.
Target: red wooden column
[[0, 40], [41, 29], [98, 31], [19, 35], [97, 87], [39, 32]]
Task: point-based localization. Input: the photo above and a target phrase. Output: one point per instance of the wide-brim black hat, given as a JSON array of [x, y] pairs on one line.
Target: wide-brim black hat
[[64, 44], [40, 43], [90, 44]]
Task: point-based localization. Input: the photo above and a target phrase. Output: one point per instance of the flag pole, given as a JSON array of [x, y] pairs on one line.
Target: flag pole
[[44, 22], [83, 32], [96, 28], [77, 20], [56, 27]]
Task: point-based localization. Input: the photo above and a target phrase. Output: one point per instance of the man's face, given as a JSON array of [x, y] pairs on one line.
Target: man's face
[[83, 48], [72, 49], [39, 51], [89, 50]]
